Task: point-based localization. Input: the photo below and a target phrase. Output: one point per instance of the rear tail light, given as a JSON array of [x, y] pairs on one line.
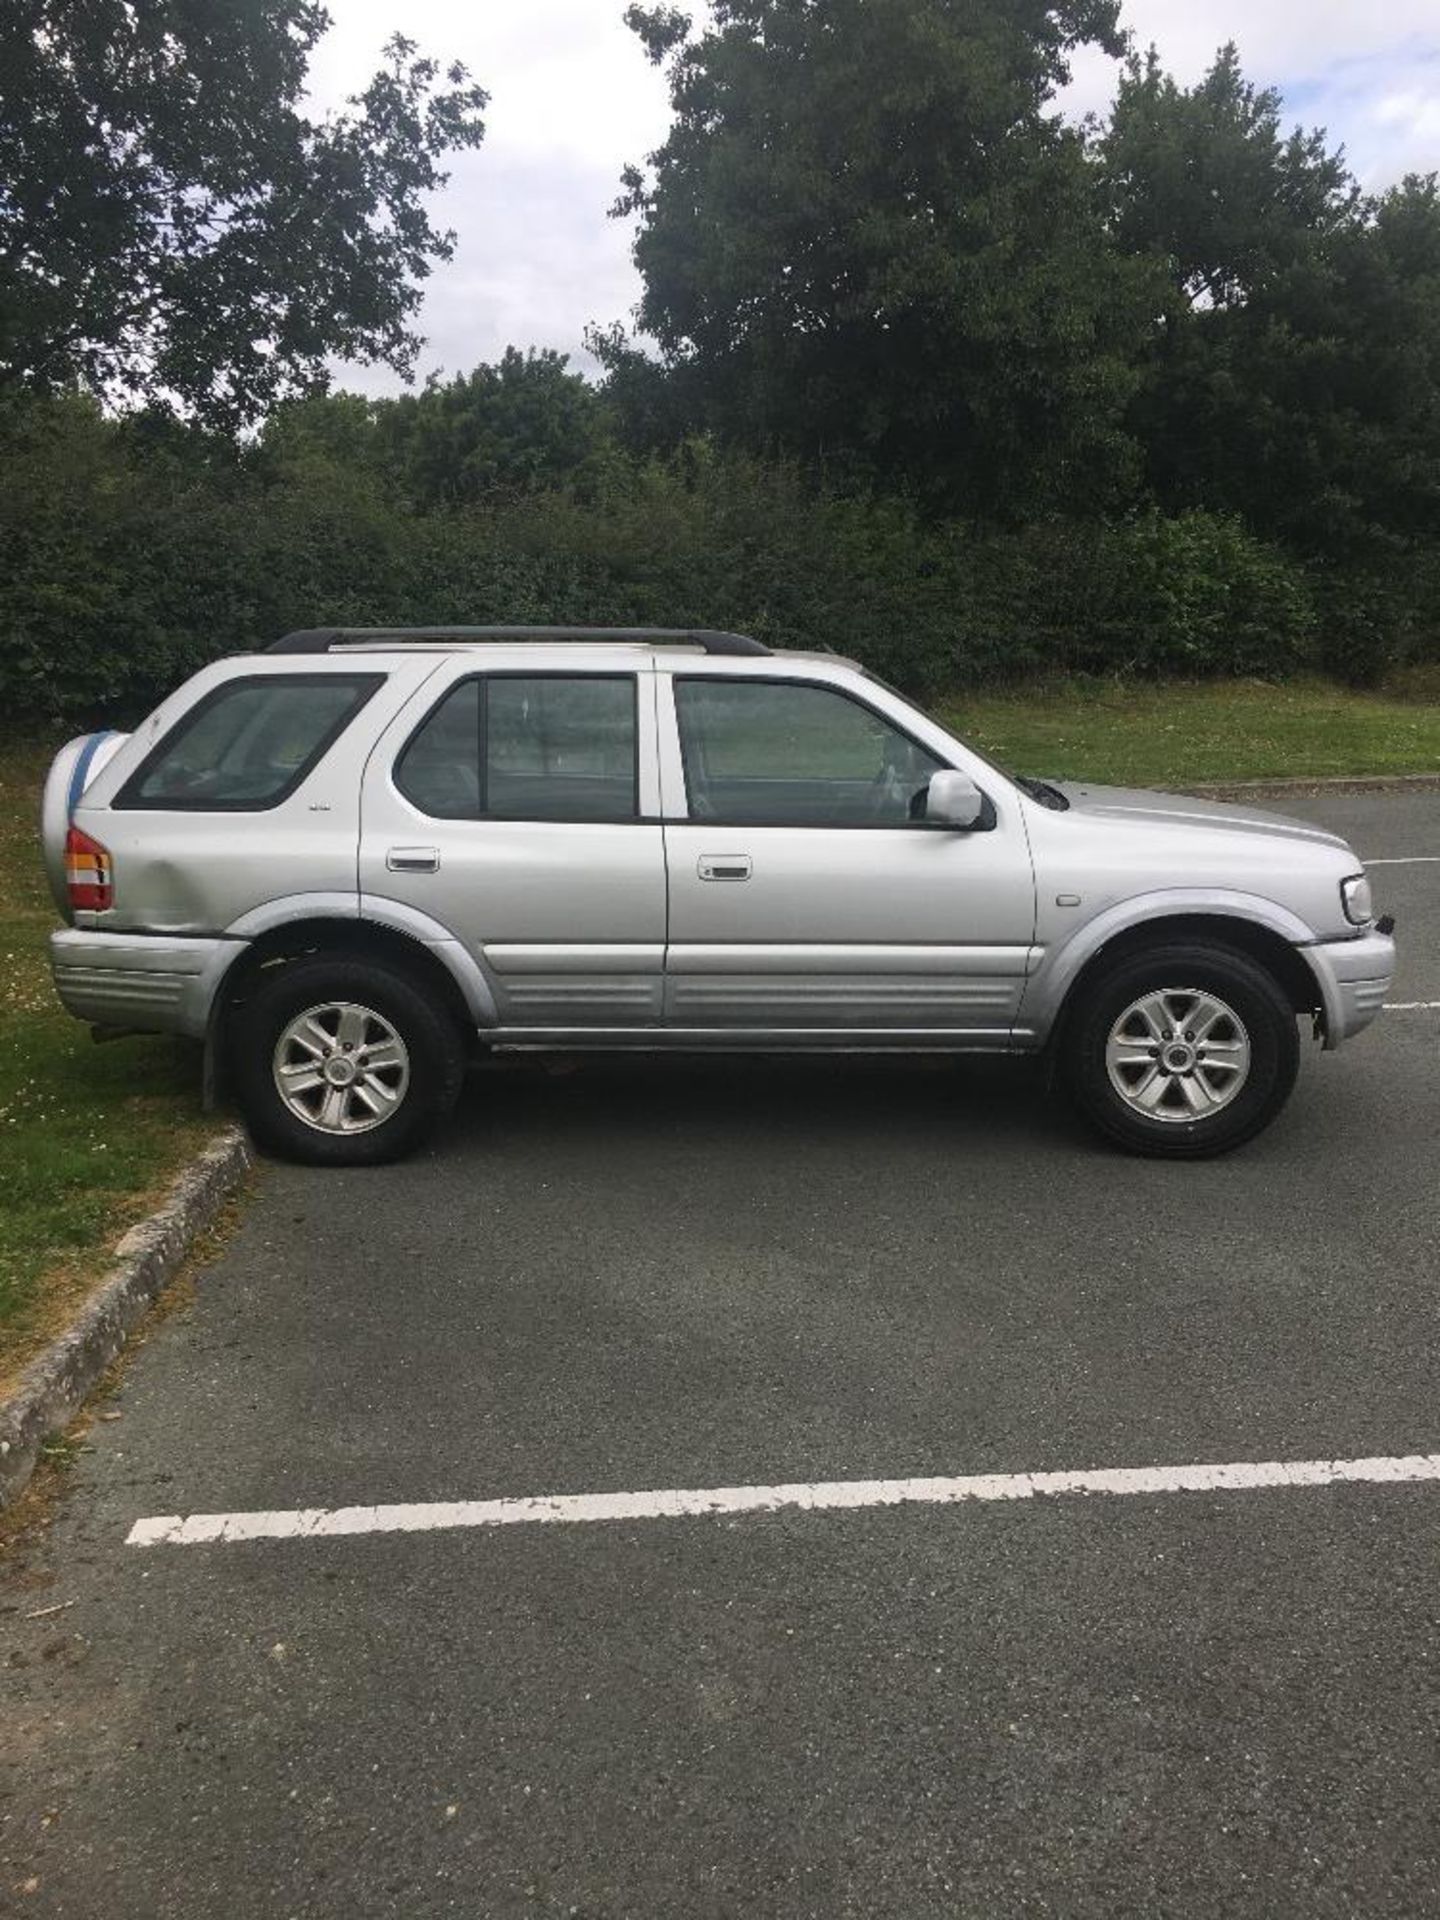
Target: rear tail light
[[89, 873]]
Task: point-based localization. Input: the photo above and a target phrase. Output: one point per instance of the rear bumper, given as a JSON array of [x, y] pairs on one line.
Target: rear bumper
[[157, 983], [1354, 977]]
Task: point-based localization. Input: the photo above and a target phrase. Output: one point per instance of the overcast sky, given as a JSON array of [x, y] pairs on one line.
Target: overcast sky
[[573, 99]]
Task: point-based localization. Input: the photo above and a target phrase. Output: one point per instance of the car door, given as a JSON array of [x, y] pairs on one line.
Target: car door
[[518, 807], [804, 895]]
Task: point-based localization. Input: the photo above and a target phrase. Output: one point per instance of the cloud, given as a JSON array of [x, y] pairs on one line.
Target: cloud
[[1369, 74], [1387, 108], [573, 99]]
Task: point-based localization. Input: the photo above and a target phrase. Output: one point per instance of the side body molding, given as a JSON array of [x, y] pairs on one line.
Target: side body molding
[[1045, 992]]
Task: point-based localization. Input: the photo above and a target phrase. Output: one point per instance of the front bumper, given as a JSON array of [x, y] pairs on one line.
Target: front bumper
[[1354, 977], [154, 983]]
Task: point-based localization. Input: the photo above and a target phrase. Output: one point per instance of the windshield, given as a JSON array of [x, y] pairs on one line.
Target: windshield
[[1044, 791]]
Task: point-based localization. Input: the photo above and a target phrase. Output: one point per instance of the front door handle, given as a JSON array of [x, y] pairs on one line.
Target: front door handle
[[413, 859], [724, 866]]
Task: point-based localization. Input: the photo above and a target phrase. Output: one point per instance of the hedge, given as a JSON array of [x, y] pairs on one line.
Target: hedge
[[130, 554]]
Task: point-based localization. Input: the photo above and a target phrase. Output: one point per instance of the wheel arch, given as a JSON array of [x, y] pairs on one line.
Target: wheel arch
[[1275, 947], [440, 965]]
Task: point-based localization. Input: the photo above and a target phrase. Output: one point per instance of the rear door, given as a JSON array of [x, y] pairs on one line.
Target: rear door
[[804, 894], [518, 806]]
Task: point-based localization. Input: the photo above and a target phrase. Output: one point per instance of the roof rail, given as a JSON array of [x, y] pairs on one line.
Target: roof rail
[[323, 639]]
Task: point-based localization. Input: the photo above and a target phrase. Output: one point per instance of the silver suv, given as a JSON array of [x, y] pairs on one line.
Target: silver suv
[[348, 863]]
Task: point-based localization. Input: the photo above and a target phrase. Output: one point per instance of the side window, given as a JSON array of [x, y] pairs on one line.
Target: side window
[[527, 747], [560, 749], [439, 771], [759, 751], [248, 745]]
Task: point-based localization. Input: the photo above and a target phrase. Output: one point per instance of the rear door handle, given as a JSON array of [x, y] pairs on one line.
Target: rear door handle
[[413, 859], [724, 866]]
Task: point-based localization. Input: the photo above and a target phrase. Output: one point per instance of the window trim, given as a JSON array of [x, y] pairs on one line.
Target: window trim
[[130, 800], [632, 819], [989, 818]]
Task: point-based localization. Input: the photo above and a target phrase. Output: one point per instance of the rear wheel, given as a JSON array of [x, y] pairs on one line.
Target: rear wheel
[[343, 1062], [1181, 1052]]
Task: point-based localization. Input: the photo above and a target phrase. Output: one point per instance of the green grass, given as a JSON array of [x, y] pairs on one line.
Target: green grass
[[1185, 735], [88, 1134]]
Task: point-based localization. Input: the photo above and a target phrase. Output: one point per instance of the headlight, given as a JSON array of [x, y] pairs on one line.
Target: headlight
[[1355, 894]]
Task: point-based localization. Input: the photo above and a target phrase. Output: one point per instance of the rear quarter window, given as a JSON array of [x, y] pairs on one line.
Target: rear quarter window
[[249, 744]]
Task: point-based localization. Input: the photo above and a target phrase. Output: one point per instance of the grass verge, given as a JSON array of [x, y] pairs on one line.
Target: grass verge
[[89, 1135], [1178, 736]]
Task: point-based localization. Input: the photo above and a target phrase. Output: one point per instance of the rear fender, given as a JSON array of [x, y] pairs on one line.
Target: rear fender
[[463, 967]]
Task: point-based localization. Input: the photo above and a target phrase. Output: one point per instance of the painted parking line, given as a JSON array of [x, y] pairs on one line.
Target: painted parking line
[[812, 1496], [1412, 1006], [1404, 860]]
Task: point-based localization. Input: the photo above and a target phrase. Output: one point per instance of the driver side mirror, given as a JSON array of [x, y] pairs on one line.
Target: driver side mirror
[[953, 800]]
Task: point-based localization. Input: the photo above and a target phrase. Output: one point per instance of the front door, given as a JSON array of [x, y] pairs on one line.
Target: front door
[[510, 807], [804, 895]]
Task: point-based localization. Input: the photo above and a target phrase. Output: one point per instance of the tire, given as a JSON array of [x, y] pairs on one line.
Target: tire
[[1217, 1080], [396, 1055]]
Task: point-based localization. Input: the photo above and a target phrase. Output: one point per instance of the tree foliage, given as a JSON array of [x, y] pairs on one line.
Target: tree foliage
[[870, 244], [1294, 377], [526, 422], [1314, 409], [924, 374], [867, 242], [174, 223], [133, 550], [1204, 181]]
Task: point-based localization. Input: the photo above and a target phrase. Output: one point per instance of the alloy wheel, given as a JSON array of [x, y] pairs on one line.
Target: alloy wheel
[[341, 1068], [1178, 1054]]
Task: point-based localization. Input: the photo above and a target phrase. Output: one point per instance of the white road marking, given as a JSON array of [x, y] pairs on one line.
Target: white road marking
[[673, 1503], [1412, 1006], [1404, 860]]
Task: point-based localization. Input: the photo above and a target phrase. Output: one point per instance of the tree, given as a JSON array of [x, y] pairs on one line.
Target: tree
[[525, 423], [1314, 408], [1296, 377], [1204, 182], [174, 224], [866, 241]]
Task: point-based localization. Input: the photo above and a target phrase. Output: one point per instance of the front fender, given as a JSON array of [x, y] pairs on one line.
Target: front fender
[[1063, 961]]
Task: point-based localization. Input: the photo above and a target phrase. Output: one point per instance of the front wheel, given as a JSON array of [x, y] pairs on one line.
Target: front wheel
[[343, 1062], [1181, 1052]]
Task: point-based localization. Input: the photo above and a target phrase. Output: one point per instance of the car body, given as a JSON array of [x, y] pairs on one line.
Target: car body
[[660, 840]]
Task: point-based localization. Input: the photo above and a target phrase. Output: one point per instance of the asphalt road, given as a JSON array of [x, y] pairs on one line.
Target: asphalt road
[[696, 1274]]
